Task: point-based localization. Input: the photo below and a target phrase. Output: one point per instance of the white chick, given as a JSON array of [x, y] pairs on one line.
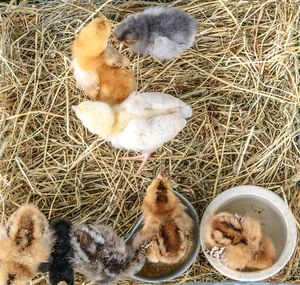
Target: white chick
[[102, 256], [142, 123], [162, 32]]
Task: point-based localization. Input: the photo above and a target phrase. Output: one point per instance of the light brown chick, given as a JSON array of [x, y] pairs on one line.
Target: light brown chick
[[262, 248], [253, 251], [25, 244], [166, 223], [100, 70], [223, 229], [264, 257], [251, 232]]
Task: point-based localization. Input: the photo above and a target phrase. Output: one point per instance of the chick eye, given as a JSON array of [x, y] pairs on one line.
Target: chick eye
[[11, 278], [7, 230]]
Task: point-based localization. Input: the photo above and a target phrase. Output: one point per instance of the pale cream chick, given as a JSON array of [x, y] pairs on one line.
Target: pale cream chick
[[141, 123]]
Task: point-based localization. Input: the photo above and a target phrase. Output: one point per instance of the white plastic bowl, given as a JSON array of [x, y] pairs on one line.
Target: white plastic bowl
[[276, 219]]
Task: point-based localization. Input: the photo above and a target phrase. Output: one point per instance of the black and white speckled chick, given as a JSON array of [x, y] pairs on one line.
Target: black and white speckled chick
[[162, 32], [60, 267], [102, 256]]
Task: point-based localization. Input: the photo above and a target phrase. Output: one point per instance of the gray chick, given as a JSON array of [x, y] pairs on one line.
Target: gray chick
[[158, 31], [102, 256]]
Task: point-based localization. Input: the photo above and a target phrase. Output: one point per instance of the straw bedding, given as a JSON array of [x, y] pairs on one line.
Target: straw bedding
[[241, 79]]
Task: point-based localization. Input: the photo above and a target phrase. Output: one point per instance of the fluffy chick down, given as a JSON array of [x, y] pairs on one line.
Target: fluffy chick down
[[224, 229], [61, 267], [100, 70], [166, 224], [162, 32], [25, 243], [142, 123], [239, 242], [102, 256]]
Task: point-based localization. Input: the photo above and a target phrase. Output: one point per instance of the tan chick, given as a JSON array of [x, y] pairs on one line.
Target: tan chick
[[239, 242], [100, 70], [166, 223], [224, 229], [25, 243]]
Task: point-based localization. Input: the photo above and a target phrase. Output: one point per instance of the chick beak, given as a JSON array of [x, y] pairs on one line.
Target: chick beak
[[114, 39]]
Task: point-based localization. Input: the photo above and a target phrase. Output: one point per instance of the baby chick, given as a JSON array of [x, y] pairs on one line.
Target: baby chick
[[102, 256], [100, 70], [239, 243], [143, 122], [24, 245], [166, 224], [224, 229], [60, 267], [159, 31]]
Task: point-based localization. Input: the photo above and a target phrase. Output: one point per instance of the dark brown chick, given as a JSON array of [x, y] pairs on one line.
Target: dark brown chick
[[166, 223]]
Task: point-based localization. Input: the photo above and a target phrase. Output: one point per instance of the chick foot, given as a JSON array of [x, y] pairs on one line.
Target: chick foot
[[239, 218], [215, 252], [143, 158]]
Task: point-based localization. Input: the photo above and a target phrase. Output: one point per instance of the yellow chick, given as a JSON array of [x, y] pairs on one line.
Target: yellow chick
[[100, 70]]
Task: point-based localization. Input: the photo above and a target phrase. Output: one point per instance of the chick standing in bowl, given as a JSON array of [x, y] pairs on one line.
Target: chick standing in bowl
[[166, 224]]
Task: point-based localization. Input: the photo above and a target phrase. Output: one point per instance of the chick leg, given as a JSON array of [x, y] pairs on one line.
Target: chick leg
[[239, 217], [144, 158]]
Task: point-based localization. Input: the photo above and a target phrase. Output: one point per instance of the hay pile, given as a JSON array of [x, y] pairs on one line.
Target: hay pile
[[241, 79]]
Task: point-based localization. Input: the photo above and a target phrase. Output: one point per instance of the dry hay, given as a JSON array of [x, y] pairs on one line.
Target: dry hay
[[241, 78]]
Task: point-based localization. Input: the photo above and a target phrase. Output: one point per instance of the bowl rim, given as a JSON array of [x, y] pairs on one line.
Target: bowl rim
[[189, 263], [284, 211]]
